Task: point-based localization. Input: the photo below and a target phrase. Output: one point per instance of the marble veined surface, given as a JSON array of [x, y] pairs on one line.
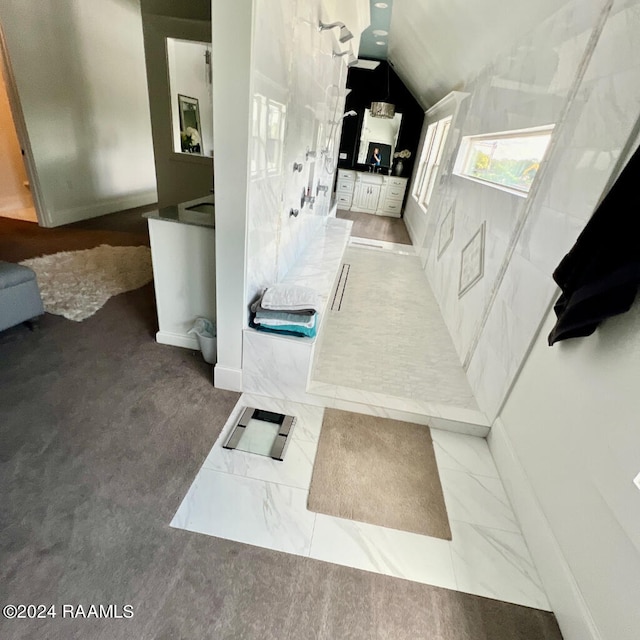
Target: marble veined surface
[[259, 501], [389, 335]]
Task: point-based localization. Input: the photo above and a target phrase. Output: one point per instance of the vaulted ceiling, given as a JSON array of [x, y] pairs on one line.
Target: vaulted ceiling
[[437, 46]]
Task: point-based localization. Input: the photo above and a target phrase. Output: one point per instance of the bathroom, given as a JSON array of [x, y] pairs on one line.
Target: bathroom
[[559, 70]]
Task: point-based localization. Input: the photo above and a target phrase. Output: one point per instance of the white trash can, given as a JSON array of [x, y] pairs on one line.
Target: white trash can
[[209, 348], [205, 332]]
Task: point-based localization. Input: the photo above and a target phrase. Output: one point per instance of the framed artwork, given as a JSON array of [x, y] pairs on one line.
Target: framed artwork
[[384, 151], [472, 261], [445, 235], [190, 129]]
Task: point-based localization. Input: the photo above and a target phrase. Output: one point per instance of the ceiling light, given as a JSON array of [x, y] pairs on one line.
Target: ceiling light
[[381, 42], [382, 110], [380, 5], [380, 32]]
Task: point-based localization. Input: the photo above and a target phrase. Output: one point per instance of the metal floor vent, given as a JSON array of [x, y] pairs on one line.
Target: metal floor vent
[[369, 245], [264, 433], [336, 303]]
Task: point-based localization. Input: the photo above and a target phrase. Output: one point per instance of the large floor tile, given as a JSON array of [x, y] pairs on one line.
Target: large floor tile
[[261, 513], [495, 564], [477, 500], [462, 453], [388, 551]]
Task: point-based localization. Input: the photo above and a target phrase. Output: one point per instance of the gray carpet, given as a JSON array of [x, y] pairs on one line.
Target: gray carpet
[[101, 434], [380, 471]]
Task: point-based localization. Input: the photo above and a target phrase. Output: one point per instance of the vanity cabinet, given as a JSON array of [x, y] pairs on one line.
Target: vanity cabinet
[[366, 197], [345, 185], [370, 192], [393, 197]]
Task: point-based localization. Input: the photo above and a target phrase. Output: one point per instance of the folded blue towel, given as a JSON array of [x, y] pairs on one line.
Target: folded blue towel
[[291, 329]]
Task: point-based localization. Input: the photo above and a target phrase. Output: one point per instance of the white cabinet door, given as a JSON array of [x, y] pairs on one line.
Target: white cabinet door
[[366, 197]]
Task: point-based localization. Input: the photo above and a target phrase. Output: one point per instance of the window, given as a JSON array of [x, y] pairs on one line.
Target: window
[[429, 164], [510, 159]]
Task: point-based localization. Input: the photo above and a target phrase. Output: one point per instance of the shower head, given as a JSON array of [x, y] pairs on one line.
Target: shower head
[[345, 34], [346, 115]]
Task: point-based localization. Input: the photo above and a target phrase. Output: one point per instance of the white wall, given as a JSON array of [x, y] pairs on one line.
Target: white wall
[[571, 422], [440, 45], [278, 54], [188, 76], [232, 24], [589, 94], [292, 65], [79, 69]]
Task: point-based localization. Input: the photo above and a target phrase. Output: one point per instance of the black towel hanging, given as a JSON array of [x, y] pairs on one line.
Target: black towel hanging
[[599, 276]]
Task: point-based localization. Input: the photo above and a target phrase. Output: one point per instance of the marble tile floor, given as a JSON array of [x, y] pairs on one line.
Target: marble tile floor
[[259, 501], [388, 344]]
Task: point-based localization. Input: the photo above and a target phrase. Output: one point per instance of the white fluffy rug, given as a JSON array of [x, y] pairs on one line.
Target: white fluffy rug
[[75, 284]]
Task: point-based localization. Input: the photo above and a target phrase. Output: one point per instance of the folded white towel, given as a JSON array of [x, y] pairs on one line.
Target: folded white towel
[[275, 322], [284, 297]]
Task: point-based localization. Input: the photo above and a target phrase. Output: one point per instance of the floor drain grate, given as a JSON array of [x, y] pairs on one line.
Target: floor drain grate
[[336, 303], [369, 245]]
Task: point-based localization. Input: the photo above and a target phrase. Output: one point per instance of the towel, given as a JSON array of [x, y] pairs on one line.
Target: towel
[[279, 318], [291, 329], [291, 297], [257, 307]]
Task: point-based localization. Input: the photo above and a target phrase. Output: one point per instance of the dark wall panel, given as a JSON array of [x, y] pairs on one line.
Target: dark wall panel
[[381, 84]]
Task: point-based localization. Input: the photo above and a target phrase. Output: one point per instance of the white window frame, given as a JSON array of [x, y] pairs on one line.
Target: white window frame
[[430, 159], [463, 159]]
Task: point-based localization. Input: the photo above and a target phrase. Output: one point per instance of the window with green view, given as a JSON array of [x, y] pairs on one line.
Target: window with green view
[[509, 159]]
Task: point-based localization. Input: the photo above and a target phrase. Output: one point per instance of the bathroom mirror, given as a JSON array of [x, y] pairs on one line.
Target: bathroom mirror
[[380, 133], [189, 65]]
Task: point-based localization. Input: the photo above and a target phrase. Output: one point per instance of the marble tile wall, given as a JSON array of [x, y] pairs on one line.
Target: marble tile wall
[[292, 69], [576, 70]]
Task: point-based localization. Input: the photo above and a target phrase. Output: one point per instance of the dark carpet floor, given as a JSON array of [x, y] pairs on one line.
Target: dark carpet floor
[[101, 434]]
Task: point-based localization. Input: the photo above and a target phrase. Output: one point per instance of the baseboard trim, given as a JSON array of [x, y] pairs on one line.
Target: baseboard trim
[[85, 212], [409, 222], [177, 340], [226, 378], [565, 597]]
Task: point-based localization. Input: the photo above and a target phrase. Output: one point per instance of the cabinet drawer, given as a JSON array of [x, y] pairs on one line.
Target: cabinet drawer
[[396, 182], [346, 174], [395, 193], [345, 186], [392, 206], [343, 199]]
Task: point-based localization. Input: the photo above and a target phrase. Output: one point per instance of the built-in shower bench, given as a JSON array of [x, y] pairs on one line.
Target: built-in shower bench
[[280, 366]]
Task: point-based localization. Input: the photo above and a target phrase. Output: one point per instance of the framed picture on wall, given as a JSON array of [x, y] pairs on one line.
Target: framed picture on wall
[[190, 129], [472, 261], [383, 151]]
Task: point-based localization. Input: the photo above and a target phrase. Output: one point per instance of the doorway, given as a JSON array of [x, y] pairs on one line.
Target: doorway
[[15, 195], [19, 192]]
